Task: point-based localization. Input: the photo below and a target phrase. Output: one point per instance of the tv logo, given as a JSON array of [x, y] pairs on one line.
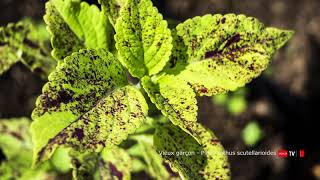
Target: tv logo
[[285, 153], [282, 153]]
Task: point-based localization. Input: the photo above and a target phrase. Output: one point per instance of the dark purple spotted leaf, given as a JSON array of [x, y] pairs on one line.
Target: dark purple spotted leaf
[[115, 163], [226, 52], [174, 97], [86, 105], [202, 157], [22, 42], [76, 25], [112, 9]]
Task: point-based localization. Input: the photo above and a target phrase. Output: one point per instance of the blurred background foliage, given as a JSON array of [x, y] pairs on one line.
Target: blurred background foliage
[[278, 110]]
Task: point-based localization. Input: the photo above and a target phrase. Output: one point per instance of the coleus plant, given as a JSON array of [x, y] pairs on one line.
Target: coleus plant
[[15, 143], [89, 106], [27, 42]]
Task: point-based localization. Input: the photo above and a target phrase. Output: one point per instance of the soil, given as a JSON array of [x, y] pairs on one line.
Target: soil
[[285, 103]]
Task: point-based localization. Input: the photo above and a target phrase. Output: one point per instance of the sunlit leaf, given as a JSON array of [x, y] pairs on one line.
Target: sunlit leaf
[[142, 38], [115, 164], [174, 97], [86, 105], [75, 25], [112, 8], [226, 52], [201, 158]]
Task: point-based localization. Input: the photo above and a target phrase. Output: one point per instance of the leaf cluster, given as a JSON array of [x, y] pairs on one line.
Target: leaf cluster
[[89, 106]]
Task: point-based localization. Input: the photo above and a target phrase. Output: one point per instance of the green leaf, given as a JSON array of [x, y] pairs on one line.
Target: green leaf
[[79, 82], [235, 102], [15, 143], [112, 9], [8, 55], [75, 25], [86, 105], [61, 160], [221, 99], [179, 57], [237, 105], [142, 38], [18, 43], [107, 123], [174, 97], [145, 150], [226, 52], [39, 32], [252, 133], [203, 158], [15, 140], [115, 163], [138, 165], [11, 170], [84, 164]]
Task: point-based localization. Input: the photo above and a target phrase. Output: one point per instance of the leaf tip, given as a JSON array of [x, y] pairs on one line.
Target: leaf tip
[[281, 37]]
